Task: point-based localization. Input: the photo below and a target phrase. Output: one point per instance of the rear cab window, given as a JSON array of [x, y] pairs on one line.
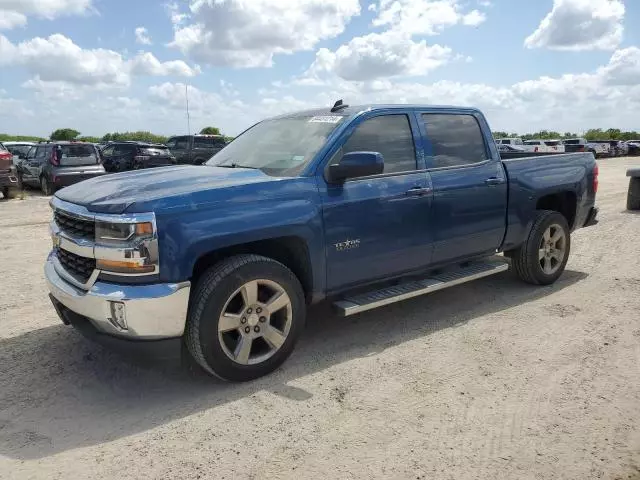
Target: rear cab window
[[456, 139], [154, 150], [77, 154]]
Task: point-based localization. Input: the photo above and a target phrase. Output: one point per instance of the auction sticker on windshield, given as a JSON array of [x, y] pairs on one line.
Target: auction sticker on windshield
[[326, 119]]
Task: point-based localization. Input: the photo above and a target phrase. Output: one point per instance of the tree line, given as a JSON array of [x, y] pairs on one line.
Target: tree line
[[69, 134], [591, 134]]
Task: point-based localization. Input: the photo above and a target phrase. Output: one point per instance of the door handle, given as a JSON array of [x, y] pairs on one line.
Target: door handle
[[494, 181], [418, 191]]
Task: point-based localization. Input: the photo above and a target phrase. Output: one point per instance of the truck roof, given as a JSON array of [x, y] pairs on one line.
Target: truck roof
[[354, 110]]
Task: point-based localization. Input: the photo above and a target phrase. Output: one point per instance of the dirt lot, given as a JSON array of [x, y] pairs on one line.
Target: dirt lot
[[495, 379]]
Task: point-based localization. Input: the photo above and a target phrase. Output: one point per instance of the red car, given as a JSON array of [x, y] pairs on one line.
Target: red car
[[7, 176]]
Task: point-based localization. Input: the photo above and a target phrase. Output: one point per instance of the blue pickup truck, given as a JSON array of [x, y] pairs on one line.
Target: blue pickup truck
[[359, 206]]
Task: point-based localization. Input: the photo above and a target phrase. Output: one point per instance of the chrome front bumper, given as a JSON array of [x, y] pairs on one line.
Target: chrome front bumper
[[153, 311]]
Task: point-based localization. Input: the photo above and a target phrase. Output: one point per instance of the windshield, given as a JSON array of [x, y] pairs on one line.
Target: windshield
[[155, 150], [280, 147], [18, 149]]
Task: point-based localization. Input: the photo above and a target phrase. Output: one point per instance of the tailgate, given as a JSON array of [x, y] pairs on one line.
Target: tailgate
[[78, 155]]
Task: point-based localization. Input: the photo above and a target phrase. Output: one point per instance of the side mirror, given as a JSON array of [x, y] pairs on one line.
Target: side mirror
[[356, 164]]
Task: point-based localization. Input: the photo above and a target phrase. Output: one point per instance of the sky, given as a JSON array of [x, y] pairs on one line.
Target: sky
[[100, 66]]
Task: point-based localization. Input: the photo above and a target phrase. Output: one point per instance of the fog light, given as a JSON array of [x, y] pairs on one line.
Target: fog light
[[118, 315]]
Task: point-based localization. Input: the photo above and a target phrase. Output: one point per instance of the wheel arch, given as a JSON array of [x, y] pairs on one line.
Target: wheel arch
[[291, 251], [564, 202]]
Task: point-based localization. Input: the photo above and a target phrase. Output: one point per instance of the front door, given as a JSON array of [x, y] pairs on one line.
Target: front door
[[470, 188], [379, 226]]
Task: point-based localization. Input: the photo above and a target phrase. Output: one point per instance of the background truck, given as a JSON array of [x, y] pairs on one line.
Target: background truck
[[362, 206]]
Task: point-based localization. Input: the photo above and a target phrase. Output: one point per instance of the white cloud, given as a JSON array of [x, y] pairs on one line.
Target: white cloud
[[58, 59], [424, 17], [10, 19], [378, 55], [142, 36], [14, 13], [248, 33], [146, 64], [474, 18], [580, 25], [605, 97]]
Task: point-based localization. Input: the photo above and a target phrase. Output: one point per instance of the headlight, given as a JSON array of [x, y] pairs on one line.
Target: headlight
[[122, 233], [126, 248]]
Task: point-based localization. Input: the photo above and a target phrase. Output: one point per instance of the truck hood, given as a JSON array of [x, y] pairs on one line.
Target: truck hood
[[120, 192]]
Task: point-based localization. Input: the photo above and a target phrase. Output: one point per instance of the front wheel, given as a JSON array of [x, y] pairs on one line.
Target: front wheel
[[246, 315], [544, 255]]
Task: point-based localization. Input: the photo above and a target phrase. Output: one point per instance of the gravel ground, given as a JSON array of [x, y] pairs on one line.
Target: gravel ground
[[494, 379]]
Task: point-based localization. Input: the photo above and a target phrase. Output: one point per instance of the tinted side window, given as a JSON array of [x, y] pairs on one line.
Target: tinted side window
[[455, 139], [109, 151], [389, 135], [202, 142], [182, 143]]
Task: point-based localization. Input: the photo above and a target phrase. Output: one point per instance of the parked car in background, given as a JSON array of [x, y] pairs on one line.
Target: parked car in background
[[605, 148], [544, 146], [555, 146], [573, 145], [505, 147], [195, 149], [18, 150], [509, 141], [339, 203], [123, 156], [633, 147], [7, 171], [53, 165], [619, 148]]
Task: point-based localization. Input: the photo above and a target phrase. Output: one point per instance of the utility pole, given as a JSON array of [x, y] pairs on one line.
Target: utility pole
[[186, 94]]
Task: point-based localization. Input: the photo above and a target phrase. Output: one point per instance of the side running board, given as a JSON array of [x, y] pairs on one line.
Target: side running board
[[351, 305]]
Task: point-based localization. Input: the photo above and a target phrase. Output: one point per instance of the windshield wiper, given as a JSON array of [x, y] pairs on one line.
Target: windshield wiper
[[236, 165]]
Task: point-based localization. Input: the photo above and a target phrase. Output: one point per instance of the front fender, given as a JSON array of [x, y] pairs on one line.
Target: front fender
[[290, 209]]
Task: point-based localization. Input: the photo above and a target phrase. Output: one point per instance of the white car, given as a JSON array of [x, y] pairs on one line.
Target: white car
[[544, 146], [509, 141]]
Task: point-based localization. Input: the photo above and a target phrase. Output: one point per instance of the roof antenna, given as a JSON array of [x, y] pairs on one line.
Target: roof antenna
[[338, 106]]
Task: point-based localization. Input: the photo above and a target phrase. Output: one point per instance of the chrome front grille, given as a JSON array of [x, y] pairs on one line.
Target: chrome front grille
[[75, 226], [79, 267]]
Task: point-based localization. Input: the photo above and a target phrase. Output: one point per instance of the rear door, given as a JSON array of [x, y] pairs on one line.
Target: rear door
[[470, 188], [35, 161]]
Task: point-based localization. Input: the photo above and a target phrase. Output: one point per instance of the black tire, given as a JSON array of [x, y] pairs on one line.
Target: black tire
[[5, 193], [525, 260], [633, 197], [46, 186], [214, 289]]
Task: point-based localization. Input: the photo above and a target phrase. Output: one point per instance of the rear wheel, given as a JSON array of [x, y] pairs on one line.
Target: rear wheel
[[46, 186], [543, 256], [633, 196], [246, 315]]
